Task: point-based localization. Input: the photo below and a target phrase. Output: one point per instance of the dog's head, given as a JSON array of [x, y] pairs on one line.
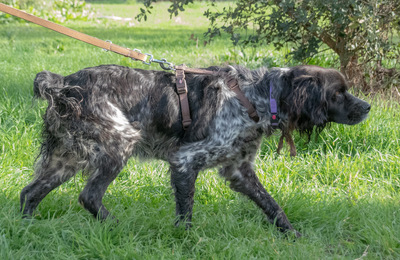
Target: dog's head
[[317, 96]]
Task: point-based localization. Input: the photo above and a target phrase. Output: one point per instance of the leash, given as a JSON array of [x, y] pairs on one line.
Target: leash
[[136, 54]]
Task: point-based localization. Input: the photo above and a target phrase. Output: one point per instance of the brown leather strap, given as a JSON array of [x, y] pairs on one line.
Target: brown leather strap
[[194, 71], [234, 86], [74, 34], [181, 88], [184, 102]]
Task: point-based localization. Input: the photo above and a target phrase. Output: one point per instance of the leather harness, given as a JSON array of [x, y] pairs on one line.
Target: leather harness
[[181, 88]]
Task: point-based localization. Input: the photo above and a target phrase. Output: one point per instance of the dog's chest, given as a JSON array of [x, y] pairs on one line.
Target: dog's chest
[[224, 152]]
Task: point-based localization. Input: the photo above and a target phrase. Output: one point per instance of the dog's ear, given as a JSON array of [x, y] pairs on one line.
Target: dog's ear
[[309, 99]]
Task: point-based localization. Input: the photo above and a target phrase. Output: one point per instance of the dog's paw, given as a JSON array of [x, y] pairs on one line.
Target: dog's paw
[[292, 234], [183, 223], [28, 221]]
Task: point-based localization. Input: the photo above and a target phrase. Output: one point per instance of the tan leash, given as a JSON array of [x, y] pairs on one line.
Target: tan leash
[[74, 34], [181, 85]]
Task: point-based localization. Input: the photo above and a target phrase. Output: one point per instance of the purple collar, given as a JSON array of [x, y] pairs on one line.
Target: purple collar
[[274, 107]]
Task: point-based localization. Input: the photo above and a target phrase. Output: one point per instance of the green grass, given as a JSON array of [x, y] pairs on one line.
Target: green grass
[[342, 191]]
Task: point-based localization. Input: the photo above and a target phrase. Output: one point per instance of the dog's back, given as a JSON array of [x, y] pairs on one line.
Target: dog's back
[[111, 103]]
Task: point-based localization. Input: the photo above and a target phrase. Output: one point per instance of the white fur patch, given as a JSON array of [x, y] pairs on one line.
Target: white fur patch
[[236, 175], [121, 123]]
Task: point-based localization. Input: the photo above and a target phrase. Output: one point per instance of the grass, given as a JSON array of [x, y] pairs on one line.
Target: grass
[[342, 191]]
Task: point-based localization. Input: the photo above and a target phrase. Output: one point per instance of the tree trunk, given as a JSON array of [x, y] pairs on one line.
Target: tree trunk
[[352, 70]]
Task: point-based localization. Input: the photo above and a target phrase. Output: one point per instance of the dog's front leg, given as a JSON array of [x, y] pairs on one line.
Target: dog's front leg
[[244, 180], [183, 183]]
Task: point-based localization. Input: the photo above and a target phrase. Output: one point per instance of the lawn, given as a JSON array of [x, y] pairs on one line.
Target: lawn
[[342, 191]]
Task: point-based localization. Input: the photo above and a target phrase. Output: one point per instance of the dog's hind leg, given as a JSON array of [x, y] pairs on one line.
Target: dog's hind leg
[[289, 140], [101, 175], [244, 180], [280, 144], [49, 174]]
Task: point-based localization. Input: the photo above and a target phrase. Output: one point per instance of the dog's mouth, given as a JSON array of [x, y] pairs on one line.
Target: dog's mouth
[[355, 119], [359, 113]]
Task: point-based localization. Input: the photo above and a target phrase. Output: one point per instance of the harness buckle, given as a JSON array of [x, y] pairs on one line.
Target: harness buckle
[[181, 86], [274, 120]]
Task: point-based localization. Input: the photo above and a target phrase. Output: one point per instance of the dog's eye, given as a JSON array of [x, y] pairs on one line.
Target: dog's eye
[[335, 96], [338, 97]]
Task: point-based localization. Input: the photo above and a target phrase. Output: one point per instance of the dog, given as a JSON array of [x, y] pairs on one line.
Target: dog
[[97, 118], [289, 139]]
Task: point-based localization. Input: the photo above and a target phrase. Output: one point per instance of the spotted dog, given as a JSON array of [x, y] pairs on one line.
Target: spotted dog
[[97, 118]]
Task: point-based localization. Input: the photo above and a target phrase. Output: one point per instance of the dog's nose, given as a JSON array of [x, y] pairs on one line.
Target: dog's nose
[[367, 108]]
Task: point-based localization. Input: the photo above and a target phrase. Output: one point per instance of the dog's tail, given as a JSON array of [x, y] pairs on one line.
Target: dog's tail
[[47, 85], [63, 100]]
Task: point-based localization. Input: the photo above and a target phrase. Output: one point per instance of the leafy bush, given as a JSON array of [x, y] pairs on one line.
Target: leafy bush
[[362, 33], [58, 11]]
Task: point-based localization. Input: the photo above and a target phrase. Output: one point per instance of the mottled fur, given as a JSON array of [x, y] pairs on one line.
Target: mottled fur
[[98, 118]]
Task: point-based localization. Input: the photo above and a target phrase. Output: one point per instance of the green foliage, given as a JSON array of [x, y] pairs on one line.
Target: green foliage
[[58, 11], [175, 7], [363, 34]]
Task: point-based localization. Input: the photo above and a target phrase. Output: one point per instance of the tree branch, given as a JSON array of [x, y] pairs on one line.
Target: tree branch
[[324, 36]]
